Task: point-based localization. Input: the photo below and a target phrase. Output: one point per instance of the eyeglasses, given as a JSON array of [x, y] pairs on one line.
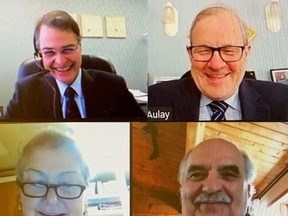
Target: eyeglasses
[[66, 50], [65, 191], [227, 53]]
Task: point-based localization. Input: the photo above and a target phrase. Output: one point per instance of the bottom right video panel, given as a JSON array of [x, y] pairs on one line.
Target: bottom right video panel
[[203, 168]]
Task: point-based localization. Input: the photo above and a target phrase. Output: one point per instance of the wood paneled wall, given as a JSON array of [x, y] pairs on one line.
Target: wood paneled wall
[[9, 199], [154, 182], [265, 143]]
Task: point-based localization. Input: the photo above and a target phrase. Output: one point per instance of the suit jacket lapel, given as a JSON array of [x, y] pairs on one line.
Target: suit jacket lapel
[[51, 100], [188, 106], [253, 106], [92, 96]]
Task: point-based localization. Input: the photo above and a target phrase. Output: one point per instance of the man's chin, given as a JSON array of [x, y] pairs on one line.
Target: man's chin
[[212, 209], [217, 209], [219, 93], [66, 78]]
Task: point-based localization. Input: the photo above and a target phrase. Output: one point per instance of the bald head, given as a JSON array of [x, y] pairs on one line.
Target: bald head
[[215, 149], [215, 178], [226, 13]]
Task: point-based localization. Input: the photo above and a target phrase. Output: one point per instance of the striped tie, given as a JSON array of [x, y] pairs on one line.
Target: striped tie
[[218, 108]]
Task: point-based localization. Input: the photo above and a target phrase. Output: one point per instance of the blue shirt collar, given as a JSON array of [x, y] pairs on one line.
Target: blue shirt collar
[[76, 85], [232, 101]]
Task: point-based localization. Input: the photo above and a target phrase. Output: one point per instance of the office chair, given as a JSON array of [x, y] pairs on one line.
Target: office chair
[[248, 74], [29, 66]]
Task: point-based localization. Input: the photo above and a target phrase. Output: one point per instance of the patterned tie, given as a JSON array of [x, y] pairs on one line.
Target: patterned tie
[[218, 108], [72, 111]]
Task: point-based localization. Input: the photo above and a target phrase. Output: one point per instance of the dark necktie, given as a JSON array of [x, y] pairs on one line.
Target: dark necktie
[[218, 108], [72, 111]]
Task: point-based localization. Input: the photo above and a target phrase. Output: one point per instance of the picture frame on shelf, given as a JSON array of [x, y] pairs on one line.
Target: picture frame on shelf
[[279, 75], [250, 74]]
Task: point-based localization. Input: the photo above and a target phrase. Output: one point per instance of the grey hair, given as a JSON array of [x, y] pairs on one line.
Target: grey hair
[[250, 171], [214, 9], [55, 140]]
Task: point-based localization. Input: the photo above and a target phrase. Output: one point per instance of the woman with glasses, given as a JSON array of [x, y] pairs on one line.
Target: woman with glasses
[[51, 176]]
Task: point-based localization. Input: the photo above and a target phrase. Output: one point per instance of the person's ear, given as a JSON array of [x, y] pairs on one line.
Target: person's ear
[[180, 192], [18, 198], [250, 191], [80, 46], [247, 49]]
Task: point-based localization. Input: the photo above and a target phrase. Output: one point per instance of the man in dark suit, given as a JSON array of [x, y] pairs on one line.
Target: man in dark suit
[[216, 90], [65, 90]]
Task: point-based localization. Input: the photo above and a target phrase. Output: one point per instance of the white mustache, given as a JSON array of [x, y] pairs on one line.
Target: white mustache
[[215, 197]]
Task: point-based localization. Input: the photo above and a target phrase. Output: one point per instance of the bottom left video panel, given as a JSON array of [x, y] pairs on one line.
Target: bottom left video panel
[[64, 169]]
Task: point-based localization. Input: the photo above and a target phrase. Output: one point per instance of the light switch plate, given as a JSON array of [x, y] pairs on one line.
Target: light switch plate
[[115, 26], [91, 26]]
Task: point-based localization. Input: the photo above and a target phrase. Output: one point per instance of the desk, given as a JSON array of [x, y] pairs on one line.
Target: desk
[[141, 98]]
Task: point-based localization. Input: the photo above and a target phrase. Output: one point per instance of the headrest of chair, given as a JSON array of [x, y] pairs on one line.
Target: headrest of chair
[[29, 66], [97, 63]]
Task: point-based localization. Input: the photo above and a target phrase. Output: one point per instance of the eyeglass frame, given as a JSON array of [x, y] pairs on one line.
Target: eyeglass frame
[[213, 49], [48, 186], [70, 47]]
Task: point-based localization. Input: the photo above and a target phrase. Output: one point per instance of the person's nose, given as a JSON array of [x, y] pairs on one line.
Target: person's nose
[[212, 183], [216, 62], [59, 58], [51, 196]]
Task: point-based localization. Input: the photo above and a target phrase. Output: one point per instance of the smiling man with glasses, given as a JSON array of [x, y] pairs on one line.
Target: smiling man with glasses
[[65, 90], [215, 89]]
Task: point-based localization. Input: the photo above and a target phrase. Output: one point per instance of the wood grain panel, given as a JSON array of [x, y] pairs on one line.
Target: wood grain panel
[[154, 182], [265, 142], [146, 201], [159, 173], [9, 199]]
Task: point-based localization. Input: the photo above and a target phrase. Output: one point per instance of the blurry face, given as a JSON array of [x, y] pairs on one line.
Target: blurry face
[[216, 79], [52, 167], [61, 53], [215, 181]]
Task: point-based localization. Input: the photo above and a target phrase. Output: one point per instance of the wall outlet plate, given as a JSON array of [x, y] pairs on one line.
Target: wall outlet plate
[[115, 27], [91, 26]]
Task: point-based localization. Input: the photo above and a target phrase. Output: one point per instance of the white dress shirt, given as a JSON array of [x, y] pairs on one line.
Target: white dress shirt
[[233, 111]]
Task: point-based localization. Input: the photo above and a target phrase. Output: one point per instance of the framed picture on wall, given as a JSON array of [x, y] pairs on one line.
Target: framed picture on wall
[[279, 75]]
